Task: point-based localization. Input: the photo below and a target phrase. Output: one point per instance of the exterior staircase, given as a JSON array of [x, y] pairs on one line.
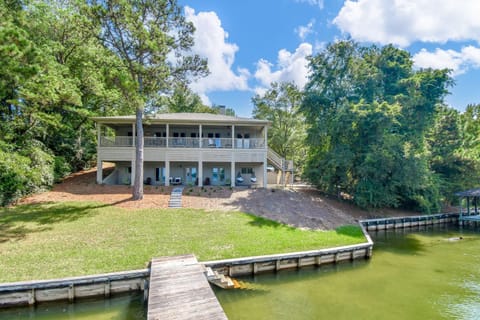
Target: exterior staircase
[[176, 198], [281, 164], [278, 162]]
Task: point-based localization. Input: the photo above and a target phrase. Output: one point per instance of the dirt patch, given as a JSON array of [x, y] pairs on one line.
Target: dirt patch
[[299, 207]]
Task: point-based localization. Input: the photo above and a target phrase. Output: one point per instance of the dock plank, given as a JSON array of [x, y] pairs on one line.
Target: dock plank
[[180, 290]]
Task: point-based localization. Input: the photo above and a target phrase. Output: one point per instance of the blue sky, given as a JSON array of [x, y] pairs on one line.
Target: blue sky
[[251, 43]]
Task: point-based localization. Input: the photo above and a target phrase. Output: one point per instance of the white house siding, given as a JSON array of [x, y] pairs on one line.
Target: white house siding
[[239, 143]]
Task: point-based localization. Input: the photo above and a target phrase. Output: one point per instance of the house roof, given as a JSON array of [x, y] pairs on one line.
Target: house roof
[[469, 193], [182, 118]]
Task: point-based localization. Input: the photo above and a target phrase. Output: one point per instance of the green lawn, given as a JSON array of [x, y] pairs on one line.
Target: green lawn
[[55, 240]]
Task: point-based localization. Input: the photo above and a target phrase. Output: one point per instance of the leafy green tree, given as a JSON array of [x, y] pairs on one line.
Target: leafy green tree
[[368, 113], [184, 100], [447, 156], [55, 75], [470, 128], [280, 105], [151, 38]]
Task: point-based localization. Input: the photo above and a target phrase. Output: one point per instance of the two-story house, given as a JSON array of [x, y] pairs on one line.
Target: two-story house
[[185, 148]]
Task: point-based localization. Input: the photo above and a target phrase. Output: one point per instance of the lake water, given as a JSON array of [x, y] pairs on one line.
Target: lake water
[[412, 275], [124, 307]]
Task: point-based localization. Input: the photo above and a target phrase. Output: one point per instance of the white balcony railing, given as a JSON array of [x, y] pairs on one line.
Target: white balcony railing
[[159, 142], [117, 141]]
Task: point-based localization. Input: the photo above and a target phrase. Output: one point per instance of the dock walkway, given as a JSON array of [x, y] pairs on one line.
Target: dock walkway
[[180, 290]]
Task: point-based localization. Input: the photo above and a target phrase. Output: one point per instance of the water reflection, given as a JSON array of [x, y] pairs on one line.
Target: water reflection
[[124, 307], [414, 274]]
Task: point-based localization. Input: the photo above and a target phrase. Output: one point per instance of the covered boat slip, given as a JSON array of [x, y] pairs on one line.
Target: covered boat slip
[[472, 213]]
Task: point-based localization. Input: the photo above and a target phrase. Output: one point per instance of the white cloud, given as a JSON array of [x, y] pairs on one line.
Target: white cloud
[[304, 31], [402, 22], [290, 67], [458, 61], [211, 43], [318, 3]]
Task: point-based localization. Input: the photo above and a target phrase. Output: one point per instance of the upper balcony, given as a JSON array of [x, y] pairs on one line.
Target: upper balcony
[[183, 142]]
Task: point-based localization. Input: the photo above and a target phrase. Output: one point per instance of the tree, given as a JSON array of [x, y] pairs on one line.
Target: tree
[[55, 75], [470, 128], [183, 99], [280, 105], [447, 157], [151, 38], [369, 112]]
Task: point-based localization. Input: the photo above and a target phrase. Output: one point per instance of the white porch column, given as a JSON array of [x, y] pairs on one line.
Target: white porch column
[[99, 170], [168, 135], [134, 135], [167, 171], [200, 140], [99, 159], [265, 129], [200, 173], [233, 136], [132, 175], [265, 173], [232, 174]]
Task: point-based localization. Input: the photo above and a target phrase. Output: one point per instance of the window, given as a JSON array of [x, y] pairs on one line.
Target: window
[[129, 134], [218, 174], [193, 135], [210, 135], [160, 134], [191, 175], [129, 169], [175, 134], [247, 170], [182, 134], [160, 173], [217, 135]]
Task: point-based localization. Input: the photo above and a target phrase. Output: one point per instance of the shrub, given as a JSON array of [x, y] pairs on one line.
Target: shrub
[[23, 172], [61, 168]]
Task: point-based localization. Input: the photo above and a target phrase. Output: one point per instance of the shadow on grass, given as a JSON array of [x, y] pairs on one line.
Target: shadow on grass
[[353, 231], [260, 222], [16, 223]]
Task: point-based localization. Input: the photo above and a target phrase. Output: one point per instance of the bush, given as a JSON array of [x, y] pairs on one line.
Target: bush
[[23, 171], [61, 168]]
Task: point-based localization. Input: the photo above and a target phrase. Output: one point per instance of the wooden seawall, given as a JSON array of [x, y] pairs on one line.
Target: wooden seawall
[[180, 290], [103, 285], [408, 222]]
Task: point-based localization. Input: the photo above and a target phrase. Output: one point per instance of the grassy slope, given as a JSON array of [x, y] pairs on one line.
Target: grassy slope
[[77, 238]]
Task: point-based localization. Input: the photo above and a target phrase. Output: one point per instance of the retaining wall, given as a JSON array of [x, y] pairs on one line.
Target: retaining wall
[[407, 222], [276, 262], [31, 292]]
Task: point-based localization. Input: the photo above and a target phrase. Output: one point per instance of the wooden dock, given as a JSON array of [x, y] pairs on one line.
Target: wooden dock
[[179, 290]]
